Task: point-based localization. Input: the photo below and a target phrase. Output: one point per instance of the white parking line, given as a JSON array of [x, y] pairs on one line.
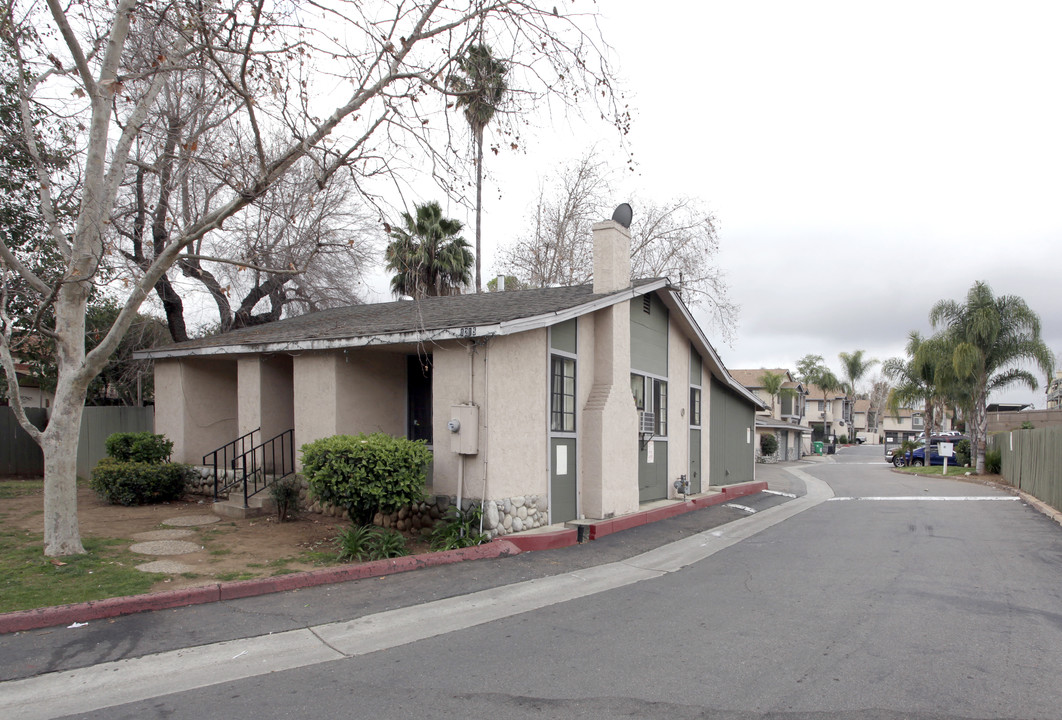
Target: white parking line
[[931, 498]]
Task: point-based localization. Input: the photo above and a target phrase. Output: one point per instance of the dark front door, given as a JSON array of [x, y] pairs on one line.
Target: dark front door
[[418, 379]]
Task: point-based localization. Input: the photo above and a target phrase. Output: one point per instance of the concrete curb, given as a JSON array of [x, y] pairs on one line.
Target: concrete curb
[[113, 607]]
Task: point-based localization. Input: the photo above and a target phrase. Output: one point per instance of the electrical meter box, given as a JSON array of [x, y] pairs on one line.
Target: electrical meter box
[[464, 429]]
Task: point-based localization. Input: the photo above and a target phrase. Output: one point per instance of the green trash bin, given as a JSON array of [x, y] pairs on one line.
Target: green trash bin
[[816, 447]]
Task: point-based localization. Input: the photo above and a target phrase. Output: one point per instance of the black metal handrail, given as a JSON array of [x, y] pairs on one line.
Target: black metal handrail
[[264, 464], [229, 454], [271, 461]]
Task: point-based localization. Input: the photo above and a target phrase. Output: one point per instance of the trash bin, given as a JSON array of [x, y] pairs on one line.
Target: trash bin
[[831, 449], [816, 447]]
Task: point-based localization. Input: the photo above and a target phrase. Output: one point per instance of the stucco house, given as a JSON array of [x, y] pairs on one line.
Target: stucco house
[[783, 415], [571, 402]]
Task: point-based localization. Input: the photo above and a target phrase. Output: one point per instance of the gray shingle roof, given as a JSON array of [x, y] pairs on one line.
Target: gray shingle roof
[[424, 317]]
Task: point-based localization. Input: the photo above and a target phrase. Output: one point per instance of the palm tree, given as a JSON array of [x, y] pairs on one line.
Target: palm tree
[[480, 86], [918, 378], [855, 367], [988, 336], [772, 383], [427, 257]]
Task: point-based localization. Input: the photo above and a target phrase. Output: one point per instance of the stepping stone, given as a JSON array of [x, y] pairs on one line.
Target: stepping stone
[[191, 520], [170, 567], [166, 547], [163, 535]]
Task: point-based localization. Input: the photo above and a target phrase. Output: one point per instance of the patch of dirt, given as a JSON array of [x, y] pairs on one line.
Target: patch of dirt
[[229, 549]]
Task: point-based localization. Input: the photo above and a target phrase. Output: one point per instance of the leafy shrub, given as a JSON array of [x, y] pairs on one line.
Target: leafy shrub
[[768, 444], [843, 439], [285, 494], [1027, 425], [138, 483], [141, 447], [353, 543], [387, 544], [962, 453], [993, 461], [458, 529], [364, 542], [366, 474]]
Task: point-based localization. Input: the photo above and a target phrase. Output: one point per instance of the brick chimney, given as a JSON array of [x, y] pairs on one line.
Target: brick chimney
[[612, 257]]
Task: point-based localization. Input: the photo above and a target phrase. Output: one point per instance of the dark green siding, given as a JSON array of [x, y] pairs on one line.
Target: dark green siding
[[562, 337], [652, 476], [649, 335], [730, 456]]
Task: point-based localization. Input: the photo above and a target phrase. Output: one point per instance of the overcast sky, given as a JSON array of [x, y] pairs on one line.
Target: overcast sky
[[864, 160]]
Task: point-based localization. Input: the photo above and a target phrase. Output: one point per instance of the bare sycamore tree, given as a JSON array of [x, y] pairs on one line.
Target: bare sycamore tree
[[558, 248], [216, 103], [676, 238]]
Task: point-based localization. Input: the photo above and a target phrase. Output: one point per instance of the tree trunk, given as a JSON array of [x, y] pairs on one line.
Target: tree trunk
[[62, 535], [479, 203], [980, 432], [59, 441]]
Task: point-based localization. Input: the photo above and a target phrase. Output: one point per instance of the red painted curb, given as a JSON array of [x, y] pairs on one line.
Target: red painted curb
[[546, 541], [743, 489], [113, 607]]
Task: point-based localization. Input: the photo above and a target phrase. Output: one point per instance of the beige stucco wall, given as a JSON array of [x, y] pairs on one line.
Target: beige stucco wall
[[678, 411], [169, 414], [371, 392], [337, 393], [314, 383], [516, 426], [609, 471], [196, 404], [454, 364]]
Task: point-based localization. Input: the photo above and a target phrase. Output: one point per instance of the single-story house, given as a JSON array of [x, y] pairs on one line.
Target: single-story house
[[571, 402]]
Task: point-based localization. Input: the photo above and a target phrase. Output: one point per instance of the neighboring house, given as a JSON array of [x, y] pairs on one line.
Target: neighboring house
[[573, 401], [30, 391], [1054, 392], [907, 424], [784, 413], [861, 423], [828, 414]]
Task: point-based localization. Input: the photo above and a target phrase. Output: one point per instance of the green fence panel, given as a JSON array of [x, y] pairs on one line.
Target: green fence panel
[[99, 423], [20, 455], [1032, 462]]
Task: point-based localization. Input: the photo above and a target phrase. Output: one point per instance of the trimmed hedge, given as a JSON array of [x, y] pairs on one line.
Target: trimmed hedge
[[139, 483], [366, 474], [141, 447]]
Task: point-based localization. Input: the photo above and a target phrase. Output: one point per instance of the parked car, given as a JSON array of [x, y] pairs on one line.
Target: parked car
[[917, 457]]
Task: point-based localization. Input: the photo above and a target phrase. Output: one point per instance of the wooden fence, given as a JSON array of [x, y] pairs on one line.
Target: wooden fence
[[1032, 461], [21, 457]]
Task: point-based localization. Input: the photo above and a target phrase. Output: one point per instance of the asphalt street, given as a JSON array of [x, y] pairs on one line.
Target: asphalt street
[[870, 595]]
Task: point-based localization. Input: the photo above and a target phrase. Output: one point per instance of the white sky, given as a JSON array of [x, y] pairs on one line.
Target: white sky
[[864, 160]]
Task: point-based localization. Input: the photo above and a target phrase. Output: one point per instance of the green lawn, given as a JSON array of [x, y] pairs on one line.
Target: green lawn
[[30, 580], [938, 470]]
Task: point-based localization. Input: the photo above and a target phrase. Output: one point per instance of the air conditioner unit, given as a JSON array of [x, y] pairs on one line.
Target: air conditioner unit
[[646, 423]]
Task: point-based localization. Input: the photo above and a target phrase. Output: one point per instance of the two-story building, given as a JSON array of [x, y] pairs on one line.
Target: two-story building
[[784, 415]]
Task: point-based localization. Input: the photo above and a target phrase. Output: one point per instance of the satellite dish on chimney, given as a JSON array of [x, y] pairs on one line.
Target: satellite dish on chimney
[[623, 215]]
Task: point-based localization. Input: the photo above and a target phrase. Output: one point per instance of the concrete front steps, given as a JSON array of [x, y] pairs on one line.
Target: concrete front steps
[[233, 508]]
